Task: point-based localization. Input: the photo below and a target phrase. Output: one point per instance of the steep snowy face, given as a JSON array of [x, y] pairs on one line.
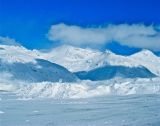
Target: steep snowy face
[[143, 58], [147, 59], [78, 59], [74, 59], [109, 58], [18, 63]]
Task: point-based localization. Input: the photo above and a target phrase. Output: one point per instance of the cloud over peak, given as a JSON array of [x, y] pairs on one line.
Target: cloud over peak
[[135, 35]]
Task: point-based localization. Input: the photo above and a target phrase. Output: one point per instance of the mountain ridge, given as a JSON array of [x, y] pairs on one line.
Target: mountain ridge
[[18, 63], [80, 59], [56, 64]]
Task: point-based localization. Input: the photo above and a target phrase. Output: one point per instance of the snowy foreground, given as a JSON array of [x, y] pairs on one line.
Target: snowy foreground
[[132, 102], [133, 110]]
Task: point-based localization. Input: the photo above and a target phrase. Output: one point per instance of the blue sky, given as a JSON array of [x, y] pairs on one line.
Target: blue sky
[[29, 21]]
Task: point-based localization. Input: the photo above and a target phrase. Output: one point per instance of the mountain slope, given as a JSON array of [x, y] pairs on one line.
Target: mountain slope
[[18, 63], [109, 72], [78, 59], [73, 58]]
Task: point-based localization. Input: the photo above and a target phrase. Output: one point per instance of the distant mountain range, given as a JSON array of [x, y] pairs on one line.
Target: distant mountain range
[[19, 63], [78, 59]]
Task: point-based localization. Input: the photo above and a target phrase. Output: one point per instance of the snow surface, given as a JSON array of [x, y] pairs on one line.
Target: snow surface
[[131, 110]]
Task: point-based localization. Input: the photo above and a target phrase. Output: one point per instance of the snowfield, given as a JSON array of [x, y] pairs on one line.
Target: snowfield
[[130, 110]]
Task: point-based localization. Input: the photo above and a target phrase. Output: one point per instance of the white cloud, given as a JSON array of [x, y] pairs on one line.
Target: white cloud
[[8, 41], [135, 35]]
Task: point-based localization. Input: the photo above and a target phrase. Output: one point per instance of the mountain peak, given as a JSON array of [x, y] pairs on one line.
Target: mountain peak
[[108, 52], [72, 50], [144, 52]]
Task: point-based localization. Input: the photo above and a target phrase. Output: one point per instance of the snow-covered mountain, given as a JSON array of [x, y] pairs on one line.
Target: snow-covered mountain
[[78, 59], [19, 63], [73, 58]]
